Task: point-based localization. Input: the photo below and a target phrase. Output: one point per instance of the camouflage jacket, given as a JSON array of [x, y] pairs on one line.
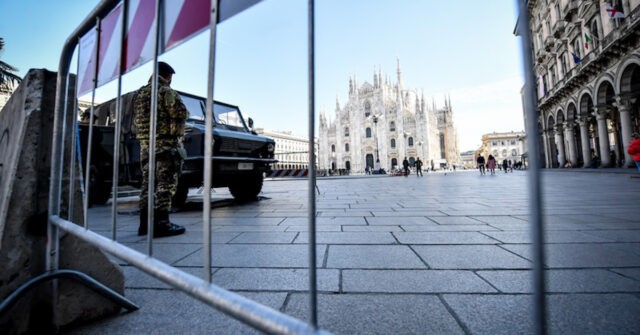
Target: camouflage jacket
[[170, 118]]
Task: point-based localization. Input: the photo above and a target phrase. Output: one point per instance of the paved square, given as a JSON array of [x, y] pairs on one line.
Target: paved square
[[443, 254]]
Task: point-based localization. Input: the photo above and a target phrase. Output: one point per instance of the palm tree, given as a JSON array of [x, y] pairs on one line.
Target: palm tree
[[7, 76]]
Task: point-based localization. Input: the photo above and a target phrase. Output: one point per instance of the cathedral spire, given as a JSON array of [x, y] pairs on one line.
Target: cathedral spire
[[337, 103], [350, 85], [399, 72], [375, 77]]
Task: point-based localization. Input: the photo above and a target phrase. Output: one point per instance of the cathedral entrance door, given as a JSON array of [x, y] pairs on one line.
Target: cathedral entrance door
[[369, 162]]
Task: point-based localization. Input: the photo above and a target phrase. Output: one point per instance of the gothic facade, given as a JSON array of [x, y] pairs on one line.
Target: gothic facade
[[384, 122]]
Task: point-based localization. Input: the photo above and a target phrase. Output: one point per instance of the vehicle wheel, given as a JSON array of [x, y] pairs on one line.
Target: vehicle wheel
[[99, 192], [246, 188], [180, 197]]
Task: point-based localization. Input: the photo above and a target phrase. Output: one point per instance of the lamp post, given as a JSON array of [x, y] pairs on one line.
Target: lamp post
[[375, 126], [375, 118]]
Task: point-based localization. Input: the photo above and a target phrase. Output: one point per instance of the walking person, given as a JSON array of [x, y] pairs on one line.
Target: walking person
[[171, 116], [419, 167], [491, 164], [405, 166], [505, 165], [634, 150], [480, 162]]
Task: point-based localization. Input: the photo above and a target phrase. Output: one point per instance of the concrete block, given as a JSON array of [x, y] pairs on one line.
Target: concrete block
[[26, 130]]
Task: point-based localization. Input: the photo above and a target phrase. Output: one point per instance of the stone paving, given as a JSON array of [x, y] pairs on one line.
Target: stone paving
[[442, 254]]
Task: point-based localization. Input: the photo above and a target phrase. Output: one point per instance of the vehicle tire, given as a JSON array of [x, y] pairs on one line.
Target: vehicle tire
[[180, 197], [99, 191], [246, 188]]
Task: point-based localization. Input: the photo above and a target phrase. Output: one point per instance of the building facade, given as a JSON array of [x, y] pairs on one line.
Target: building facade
[[384, 122], [507, 145], [291, 151], [587, 61]]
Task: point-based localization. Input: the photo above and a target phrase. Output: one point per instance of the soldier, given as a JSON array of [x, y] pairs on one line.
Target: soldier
[[171, 117]]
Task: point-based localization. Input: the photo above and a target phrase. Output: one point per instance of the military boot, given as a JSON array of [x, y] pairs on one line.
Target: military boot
[[142, 228], [162, 227]]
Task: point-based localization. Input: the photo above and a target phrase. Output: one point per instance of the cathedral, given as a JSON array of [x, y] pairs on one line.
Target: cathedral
[[381, 124]]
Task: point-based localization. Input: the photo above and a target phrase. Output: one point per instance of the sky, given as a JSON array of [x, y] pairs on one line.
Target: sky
[[464, 49]]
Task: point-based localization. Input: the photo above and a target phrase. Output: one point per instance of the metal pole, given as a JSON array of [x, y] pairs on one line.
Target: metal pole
[[208, 144], [74, 151], [87, 173], [535, 188], [118, 127], [152, 131], [313, 284]]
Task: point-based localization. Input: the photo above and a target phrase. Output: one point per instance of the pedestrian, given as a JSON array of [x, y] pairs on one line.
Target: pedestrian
[[510, 166], [419, 167], [505, 165], [491, 164], [405, 166], [170, 121], [634, 149], [480, 161]]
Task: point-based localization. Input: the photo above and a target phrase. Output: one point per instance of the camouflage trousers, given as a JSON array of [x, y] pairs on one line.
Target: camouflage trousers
[[168, 167]]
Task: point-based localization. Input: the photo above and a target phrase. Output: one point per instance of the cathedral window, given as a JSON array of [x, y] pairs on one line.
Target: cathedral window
[[514, 152], [346, 131], [333, 148], [346, 147], [410, 141], [367, 108], [368, 132], [392, 126], [393, 142], [504, 152]]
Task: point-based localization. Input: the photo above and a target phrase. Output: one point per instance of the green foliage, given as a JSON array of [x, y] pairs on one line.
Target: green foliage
[[8, 78]]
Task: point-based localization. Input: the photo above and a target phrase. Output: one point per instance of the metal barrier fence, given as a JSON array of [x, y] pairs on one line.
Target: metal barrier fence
[[256, 315], [243, 309]]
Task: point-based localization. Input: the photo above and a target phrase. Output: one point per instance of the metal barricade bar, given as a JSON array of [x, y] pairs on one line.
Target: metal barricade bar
[[313, 290], [533, 175]]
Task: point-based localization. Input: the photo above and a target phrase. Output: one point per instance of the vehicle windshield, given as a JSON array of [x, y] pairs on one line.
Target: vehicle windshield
[[226, 116]]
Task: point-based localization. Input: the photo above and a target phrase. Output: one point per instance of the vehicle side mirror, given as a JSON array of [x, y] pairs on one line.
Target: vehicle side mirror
[[250, 123]]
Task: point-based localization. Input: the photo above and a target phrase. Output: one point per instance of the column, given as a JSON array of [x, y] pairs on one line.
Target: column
[[584, 138], [560, 146], [625, 123], [547, 152], [569, 135], [603, 135]]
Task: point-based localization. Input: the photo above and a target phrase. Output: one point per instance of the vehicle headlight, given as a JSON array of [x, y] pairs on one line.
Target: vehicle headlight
[[270, 147]]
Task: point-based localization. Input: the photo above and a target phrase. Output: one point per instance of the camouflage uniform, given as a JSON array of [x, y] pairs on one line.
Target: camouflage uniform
[[169, 130]]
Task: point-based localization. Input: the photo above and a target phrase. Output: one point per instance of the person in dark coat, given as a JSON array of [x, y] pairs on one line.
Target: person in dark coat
[[405, 166], [480, 162], [419, 167]]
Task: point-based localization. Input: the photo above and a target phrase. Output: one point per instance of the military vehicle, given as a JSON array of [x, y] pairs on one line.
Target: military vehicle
[[240, 156]]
